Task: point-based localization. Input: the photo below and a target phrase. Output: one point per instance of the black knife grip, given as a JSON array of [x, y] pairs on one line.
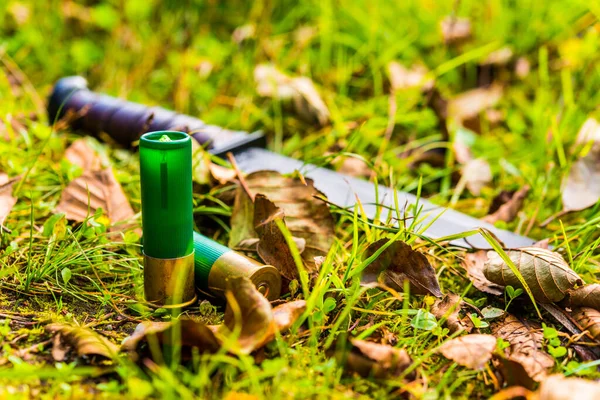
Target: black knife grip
[[125, 121]]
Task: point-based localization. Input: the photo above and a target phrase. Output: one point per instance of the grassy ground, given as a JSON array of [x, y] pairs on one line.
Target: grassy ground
[[181, 55]]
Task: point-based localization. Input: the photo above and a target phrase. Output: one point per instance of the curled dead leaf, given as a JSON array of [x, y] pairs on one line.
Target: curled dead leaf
[[585, 296], [474, 264], [272, 246], [471, 351], [507, 205], [557, 387], [588, 319], [399, 263], [448, 309], [546, 273], [455, 30], [94, 190], [249, 313], [308, 104], [525, 347], [84, 340], [370, 359]]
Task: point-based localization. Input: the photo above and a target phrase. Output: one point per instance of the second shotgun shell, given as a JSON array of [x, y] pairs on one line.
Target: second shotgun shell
[[167, 219], [215, 264]]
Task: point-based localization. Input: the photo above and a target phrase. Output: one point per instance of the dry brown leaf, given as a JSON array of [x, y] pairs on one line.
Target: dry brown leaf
[[466, 108], [249, 313], [272, 246], [476, 175], [455, 30], [94, 190], [449, 309], [379, 361], [300, 90], [525, 346], [242, 219], [84, 340], [398, 263], [249, 318], [588, 319], [546, 273], [306, 217], [474, 263], [7, 201], [557, 387], [80, 153], [187, 333], [507, 205], [471, 351], [402, 78], [585, 296]]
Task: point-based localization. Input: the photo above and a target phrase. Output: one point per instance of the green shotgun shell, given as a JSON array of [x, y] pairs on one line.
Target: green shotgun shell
[[215, 264], [167, 218]]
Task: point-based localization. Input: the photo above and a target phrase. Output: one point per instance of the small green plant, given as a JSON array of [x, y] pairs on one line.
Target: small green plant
[[553, 342], [478, 322], [512, 294]]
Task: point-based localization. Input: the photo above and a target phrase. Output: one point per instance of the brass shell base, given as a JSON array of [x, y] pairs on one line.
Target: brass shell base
[[266, 278], [169, 282]]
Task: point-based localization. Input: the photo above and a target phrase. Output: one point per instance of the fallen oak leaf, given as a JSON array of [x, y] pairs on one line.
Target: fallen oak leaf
[[471, 351], [91, 191], [525, 346], [375, 360], [546, 273], [585, 296], [557, 387], [307, 102], [398, 263], [510, 207], [85, 341], [474, 263], [449, 308]]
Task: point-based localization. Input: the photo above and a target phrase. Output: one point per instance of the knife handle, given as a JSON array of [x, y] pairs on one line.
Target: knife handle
[[126, 121]]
